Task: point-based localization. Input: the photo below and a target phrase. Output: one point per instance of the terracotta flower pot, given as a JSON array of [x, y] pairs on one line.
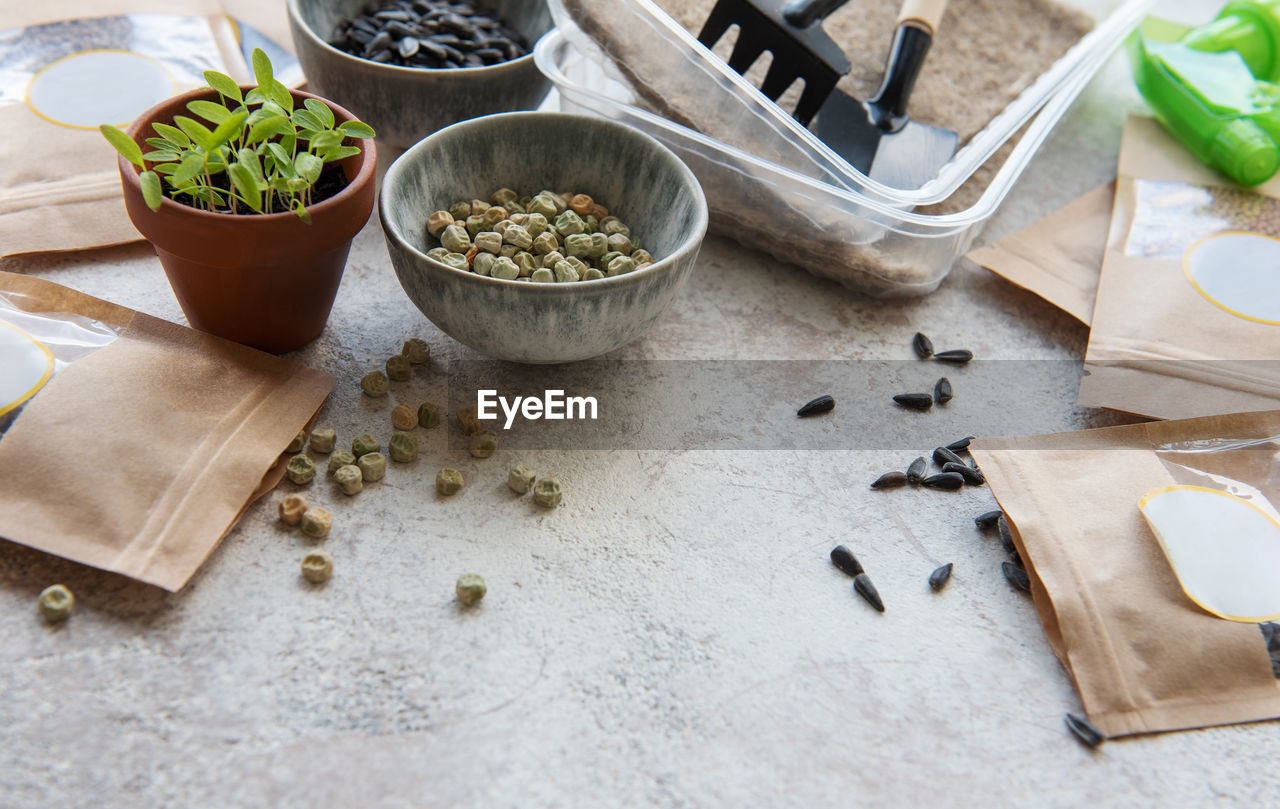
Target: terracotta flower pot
[[265, 280]]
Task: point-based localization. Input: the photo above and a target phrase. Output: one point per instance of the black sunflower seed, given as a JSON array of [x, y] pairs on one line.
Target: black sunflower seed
[[923, 346], [1006, 536], [1084, 730], [961, 444], [1016, 576], [942, 456], [862, 586], [823, 404], [945, 480], [916, 401], [939, 578], [971, 476], [408, 47], [987, 519], [942, 391], [844, 559], [915, 472], [957, 356], [890, 480]]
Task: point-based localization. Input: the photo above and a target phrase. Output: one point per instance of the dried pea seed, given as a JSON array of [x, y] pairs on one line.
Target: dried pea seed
[[518, 236], [349, 479], [363, 444], [543, 276], [322, 441], [542, 204], [478, 207], [373, 466], [536, 224], [494, 215], [592, 224], [403, 417], [581, 204], [470, 588], [455, 239], [473, 225], [599, 211], [503, 196], [547, 492], [339, 459], [561, 200], [300, 469], [403, 447], [570, 224], [505, 269], [592, 274], [416, 351], [489, 241], [502, 226], [316, 522], [641, 257], [565, 272], [620, 266], [438, 221], [460, 210], [298, 440], [545, 243], [317, 566], [526, 263], [619, 243], [471, 255], [483, 444], [428, 415], [437, 253], [448, 481], [609, 256], [398, 368], [520, 479], [455, 260], [468, 421], [374, 383], [291, 508], [483, 265], [613, 226], [579, 244], [508, 251], [599, 245], [55, 603], [550, 259]]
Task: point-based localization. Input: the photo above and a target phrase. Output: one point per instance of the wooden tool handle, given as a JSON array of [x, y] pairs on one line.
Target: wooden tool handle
[[926, 13]]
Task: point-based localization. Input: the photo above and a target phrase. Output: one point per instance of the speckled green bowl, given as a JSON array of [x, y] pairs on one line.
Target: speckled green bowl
[[635, 177]]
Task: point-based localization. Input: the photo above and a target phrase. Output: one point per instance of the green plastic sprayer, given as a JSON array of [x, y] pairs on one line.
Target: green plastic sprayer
[[1214, 87]]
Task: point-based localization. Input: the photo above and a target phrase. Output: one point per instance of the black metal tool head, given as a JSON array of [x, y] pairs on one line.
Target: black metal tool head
[[806, 53]]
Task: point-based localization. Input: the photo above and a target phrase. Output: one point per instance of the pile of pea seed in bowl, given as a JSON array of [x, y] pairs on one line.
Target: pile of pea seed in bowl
[[547, 238]]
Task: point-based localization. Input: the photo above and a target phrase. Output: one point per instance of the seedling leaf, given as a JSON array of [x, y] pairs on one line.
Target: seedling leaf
[[211, 112], [224, 84], [309, 167], [198, 132], [191, 165], [172, 134], [301, 211], [356, 129], [245, 186], [320, 110], [152, 194], [262, 69], [227, 130], [123, 144], [308, 120]]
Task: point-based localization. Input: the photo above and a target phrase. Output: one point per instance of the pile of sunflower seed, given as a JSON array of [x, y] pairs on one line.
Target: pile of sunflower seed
[[428, 34]]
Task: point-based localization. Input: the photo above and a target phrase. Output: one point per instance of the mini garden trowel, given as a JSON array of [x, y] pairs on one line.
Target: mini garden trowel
[[876, 136]]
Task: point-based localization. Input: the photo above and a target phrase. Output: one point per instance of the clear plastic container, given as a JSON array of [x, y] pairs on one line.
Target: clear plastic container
[[775, 136], [871, 245]]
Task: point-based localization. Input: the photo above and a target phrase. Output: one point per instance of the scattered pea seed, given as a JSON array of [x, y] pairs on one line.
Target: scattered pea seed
[[300, 469], [398, 369], [317, 566], [403, 447], [483, 444], [316, 522], [403, 417], [374, 383], [520, 479], [349, 479], [547, 492], [364, 444], [298, 441], [468, 421], [428, 415], [55, 603], [291, 508], [416, 351], [373, 466], [470, 588], [339, 459], [322, 441], [448, 481]]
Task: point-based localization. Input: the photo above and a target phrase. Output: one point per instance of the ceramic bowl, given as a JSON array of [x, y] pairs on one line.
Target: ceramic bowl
[[406, 104], [638, 179]]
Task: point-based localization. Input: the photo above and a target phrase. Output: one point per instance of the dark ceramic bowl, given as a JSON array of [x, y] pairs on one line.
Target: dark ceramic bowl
[[406, 104], [638, 179]]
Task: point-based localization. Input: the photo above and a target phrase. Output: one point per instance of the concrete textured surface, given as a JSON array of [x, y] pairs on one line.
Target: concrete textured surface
[[672, 636]]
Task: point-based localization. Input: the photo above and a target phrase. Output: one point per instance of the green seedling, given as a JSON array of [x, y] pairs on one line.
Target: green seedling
[[271, 153]]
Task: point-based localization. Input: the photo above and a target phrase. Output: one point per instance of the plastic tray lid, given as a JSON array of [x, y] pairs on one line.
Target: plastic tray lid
[[721, 85]]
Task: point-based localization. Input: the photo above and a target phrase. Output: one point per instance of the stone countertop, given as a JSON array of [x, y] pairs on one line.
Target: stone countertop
[[673, 635]]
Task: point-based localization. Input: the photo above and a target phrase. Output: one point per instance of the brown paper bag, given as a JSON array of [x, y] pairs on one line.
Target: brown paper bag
[[139, 457], [59, 187], [1058, 257], [1163, 343], [1143, 655]]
